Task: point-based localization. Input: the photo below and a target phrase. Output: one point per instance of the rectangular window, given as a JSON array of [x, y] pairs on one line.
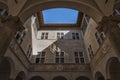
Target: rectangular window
[[40, 58], [19, 36], [90, 50], [102, 36], [75, 36], [37, 60], [79, 57], [85, 23], [44, 35], [59, 58], [29, 51], [98, 38], [60, 35]]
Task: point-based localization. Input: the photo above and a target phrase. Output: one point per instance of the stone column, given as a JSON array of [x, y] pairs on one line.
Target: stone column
[[8, 27], [109, 25]]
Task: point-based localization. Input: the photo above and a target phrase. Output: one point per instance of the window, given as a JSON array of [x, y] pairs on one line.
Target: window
[[116, 13], [40, 58], [102, 36], [85, 23], [44, 35], [79, 57], [98, 38], [60, 35], [75, 36], [19, 36], [59, 57], [29, 51], [87, 18], [90, 50]]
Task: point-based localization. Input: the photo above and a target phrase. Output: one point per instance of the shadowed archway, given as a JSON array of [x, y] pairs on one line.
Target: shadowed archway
[[82, 78], [99, 76], [20, 76], [36, 78], [59, 78], [113, 69], [5, 70]]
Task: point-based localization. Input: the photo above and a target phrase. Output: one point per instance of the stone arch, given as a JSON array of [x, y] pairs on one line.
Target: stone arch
[[20, 76], [99, 76], [82, 78], [6, 69], [88, 8], [113, 68], [59, 78], [37, 78]]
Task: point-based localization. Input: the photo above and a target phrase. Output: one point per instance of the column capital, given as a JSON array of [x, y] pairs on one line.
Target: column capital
[[108, 23], [11, 22], [9, 25]]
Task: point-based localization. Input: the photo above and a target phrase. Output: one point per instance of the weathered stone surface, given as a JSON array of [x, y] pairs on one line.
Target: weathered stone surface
[[8, 27], [109, 25]]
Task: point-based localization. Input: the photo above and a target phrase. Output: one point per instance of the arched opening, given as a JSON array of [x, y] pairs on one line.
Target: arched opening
[[99, 76], [82, 78], [36, 78], [59, 78], [77, 5], [5, 70], [113, 68], [20, 76]]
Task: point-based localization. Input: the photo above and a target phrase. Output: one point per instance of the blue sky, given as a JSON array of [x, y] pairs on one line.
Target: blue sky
[[60, 16]]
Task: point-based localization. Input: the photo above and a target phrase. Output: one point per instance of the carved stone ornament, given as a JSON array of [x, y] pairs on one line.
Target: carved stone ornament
[[106, 48], [9, 25], [108, 23], [59, 67], [11, 22]]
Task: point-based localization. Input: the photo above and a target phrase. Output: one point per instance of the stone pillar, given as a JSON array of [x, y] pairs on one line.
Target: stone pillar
[[109, 25], [8, 27]]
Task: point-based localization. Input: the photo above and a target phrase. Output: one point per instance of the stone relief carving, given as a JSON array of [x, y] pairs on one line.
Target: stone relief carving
[[59, 67], [108, 23], [106, 48], [9, 25]]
